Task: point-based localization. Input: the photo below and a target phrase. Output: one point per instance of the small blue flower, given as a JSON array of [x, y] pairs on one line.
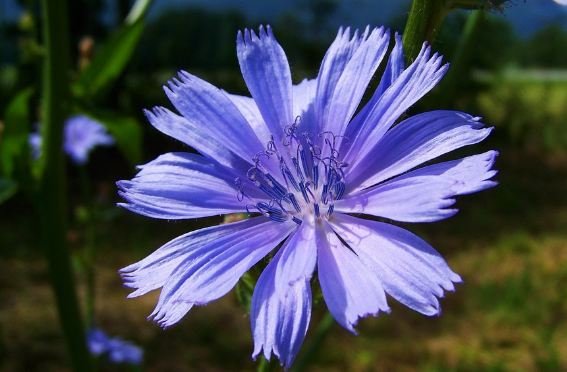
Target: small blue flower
[[81, 135], [310, 165], [117, 350]]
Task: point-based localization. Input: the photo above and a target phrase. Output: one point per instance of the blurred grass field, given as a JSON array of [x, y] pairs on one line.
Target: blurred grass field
[[509, 244]]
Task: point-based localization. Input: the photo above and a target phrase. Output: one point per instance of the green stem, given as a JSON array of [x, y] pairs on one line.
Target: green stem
[[264, 365], [465, 41], [52, 193], [424, 20], [458, 71], [312, 348]]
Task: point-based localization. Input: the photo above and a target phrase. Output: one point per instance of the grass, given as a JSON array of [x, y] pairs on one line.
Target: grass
[[509, 245]]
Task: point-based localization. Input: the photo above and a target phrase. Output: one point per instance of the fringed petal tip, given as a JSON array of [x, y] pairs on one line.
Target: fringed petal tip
[[123, 185], [173, 85], [433, 309], [166, 318], [352, 324], [155, 113], [267, 354], [349, 35], [248, 36]]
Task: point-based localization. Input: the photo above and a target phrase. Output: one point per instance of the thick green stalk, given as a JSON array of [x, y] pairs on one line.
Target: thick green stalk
[[458, 71], [52, 195], [424, 20]]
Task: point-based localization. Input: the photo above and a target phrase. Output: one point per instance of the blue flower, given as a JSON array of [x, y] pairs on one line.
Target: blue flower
[[309, 165], [117, 350], [81, 135]]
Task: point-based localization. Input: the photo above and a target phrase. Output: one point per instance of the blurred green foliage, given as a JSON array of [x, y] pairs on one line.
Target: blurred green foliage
[[94, 77], [109, 61], [530, 107], [14, 137]]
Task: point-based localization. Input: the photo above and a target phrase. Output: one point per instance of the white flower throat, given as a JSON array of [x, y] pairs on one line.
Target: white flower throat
[[312, 178]]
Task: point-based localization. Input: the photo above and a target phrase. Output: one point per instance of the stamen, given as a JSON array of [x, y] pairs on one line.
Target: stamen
[[298, 169], [316, 209], [239, 192], [315, 174], [339, 189], [308, 166], [294, 202], [330, 210], [272, 212], [278, 187], [324, 193], [288, 176], [304, 192]]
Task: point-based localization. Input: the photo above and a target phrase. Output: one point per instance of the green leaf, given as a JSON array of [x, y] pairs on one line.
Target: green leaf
[[14, 138], [7, 189], [114, 55], [126, 132], [244, 290], [109, 61]]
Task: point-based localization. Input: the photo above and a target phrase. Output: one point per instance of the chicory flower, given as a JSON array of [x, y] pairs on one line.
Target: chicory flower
[[310, 164]]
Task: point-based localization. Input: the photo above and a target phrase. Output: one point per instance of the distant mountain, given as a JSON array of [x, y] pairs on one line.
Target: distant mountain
[[526, 16], [532, 15]]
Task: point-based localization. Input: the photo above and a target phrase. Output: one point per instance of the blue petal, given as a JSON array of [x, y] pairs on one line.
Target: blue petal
[[281, 303], [180, 186], [210, 109], [424, 194], [351, 290], [355, 74], [196, 136], [211, 270], [153, 271], [248, 108], [469, 175], [298, 258], [415, 199], [410, 270], [415, 141], [394, 68], [412, 84], [337, 57], [303, 97], [266, 72]]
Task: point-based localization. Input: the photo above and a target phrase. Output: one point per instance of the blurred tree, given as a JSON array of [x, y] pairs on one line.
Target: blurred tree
[[547, 48], [496, 36], [175, 41]]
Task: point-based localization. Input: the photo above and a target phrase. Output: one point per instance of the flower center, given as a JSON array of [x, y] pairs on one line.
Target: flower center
[[312, 178]]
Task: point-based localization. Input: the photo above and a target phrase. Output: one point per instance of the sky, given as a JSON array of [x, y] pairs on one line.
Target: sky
[[526, 16]]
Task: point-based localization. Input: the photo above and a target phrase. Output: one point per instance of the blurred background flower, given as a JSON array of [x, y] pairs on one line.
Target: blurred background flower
[[114, 349], [81, 135]]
